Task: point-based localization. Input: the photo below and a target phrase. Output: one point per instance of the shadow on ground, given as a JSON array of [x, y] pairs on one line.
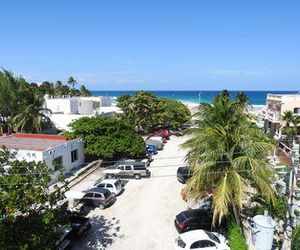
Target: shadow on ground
[[102, 234]]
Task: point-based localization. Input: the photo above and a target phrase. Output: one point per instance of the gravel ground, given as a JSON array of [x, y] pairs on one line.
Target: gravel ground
[[143, 216]]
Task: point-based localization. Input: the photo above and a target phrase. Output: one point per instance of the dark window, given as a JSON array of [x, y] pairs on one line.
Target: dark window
[[74, 155], [109, 185], [102, 185], [139, 167], [212, 236], [98, 195], [88, 195], [202, 244], [58, 163], [297, 110], [127, 167], [121, 167]]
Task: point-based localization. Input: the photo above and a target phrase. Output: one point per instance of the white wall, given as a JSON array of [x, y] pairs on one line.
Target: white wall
[[61, 121], [85, 107], [59, 105], [64, 150], [49, 155]]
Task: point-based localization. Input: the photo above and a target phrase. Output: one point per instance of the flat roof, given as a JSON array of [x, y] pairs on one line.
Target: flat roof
[[34, 142]]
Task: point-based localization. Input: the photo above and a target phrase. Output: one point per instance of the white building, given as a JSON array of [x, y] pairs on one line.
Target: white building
[[66, 109], [277, 104], [55, 150]]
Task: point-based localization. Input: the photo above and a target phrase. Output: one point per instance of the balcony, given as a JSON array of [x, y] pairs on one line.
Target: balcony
[[272, 117]]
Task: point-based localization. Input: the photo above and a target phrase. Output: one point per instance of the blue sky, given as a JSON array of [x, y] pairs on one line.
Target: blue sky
[[156, 45]]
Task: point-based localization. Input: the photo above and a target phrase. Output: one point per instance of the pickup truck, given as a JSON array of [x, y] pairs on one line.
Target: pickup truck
[[127, 169]]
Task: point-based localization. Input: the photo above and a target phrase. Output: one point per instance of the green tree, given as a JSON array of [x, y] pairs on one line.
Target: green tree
[[147, 112], [28, 220], [72, 81], [296, 239], [30, 117], [84, 91], [288, 118], [107, 138], [228, 154]]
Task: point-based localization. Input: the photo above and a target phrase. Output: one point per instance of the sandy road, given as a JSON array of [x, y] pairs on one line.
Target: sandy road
[[143, 216]]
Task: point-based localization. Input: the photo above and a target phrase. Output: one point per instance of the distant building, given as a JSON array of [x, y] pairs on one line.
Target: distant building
[[65, 109], [277, 104], [55, 150]]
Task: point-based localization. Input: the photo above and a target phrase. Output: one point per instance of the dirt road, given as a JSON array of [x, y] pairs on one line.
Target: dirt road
[[143, 216]]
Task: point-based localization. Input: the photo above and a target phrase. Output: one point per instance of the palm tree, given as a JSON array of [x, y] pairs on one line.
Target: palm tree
[[72, 81], [228, 155], [288, 118], [31, 116]]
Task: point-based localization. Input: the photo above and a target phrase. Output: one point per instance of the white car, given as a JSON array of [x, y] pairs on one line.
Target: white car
[[115, 186], [201, 239], [156, 138]]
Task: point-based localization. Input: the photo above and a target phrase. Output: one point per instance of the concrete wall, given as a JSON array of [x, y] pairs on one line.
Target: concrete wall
[[61, 121], [64, 150], [58, 105], [85, 107], [49, 155]]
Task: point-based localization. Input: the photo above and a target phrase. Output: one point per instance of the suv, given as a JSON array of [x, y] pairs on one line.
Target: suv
[[127, 169], [113, 185], [98, 197], [183, 174], [195, 219]]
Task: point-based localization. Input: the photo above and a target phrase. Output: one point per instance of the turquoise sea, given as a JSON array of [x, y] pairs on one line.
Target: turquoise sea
[[194, 97]]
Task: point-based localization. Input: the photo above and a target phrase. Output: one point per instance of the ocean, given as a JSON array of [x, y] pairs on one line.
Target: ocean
[[195, 97]]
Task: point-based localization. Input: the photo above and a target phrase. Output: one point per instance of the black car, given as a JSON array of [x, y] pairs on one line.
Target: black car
[[196, 219], [80, 226], [98, 197], [183, 174]]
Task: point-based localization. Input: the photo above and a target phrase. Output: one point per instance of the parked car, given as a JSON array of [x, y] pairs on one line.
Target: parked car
[[98, 197], [183, 174], [196, 219], [64, 240], [158, 138], [147, 160], [158, 144], [151, 149], [80, 226], [162, 133], [127, 169], [177, 132], [113, 185], [201, 239]]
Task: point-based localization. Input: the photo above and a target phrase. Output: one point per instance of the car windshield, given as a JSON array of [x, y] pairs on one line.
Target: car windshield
[[118, 183], [212, 236]]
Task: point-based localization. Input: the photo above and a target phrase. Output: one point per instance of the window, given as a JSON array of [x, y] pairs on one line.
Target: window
[[127, 167], [79, 103], [97, 195], [121, 167], [212, 236], [102, 185], [296, 110], [58, 163], [109, 185], [88, 195], [74, 155], [202, 244], [139, 167]]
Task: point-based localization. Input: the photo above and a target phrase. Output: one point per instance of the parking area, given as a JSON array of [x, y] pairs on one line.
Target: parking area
[[143, 215]]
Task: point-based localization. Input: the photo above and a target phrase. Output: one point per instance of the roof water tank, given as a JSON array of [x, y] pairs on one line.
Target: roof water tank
[[263, 231]]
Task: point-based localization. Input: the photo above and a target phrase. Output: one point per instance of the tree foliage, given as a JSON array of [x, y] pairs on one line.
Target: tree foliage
[[27, 219], [107, 138], [228, 154], [147, 112], [21, 103]]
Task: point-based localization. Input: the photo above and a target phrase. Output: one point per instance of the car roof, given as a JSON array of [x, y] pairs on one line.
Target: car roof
[[111, 181], [194, 235], [98, 190]]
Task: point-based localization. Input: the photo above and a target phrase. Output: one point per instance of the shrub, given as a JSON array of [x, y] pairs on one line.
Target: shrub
[[236, 239], [296, 239]]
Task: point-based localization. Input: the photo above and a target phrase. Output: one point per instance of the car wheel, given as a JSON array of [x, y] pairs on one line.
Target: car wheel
[[113, 194], [110, 176], [101, 206], [137, 176]]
